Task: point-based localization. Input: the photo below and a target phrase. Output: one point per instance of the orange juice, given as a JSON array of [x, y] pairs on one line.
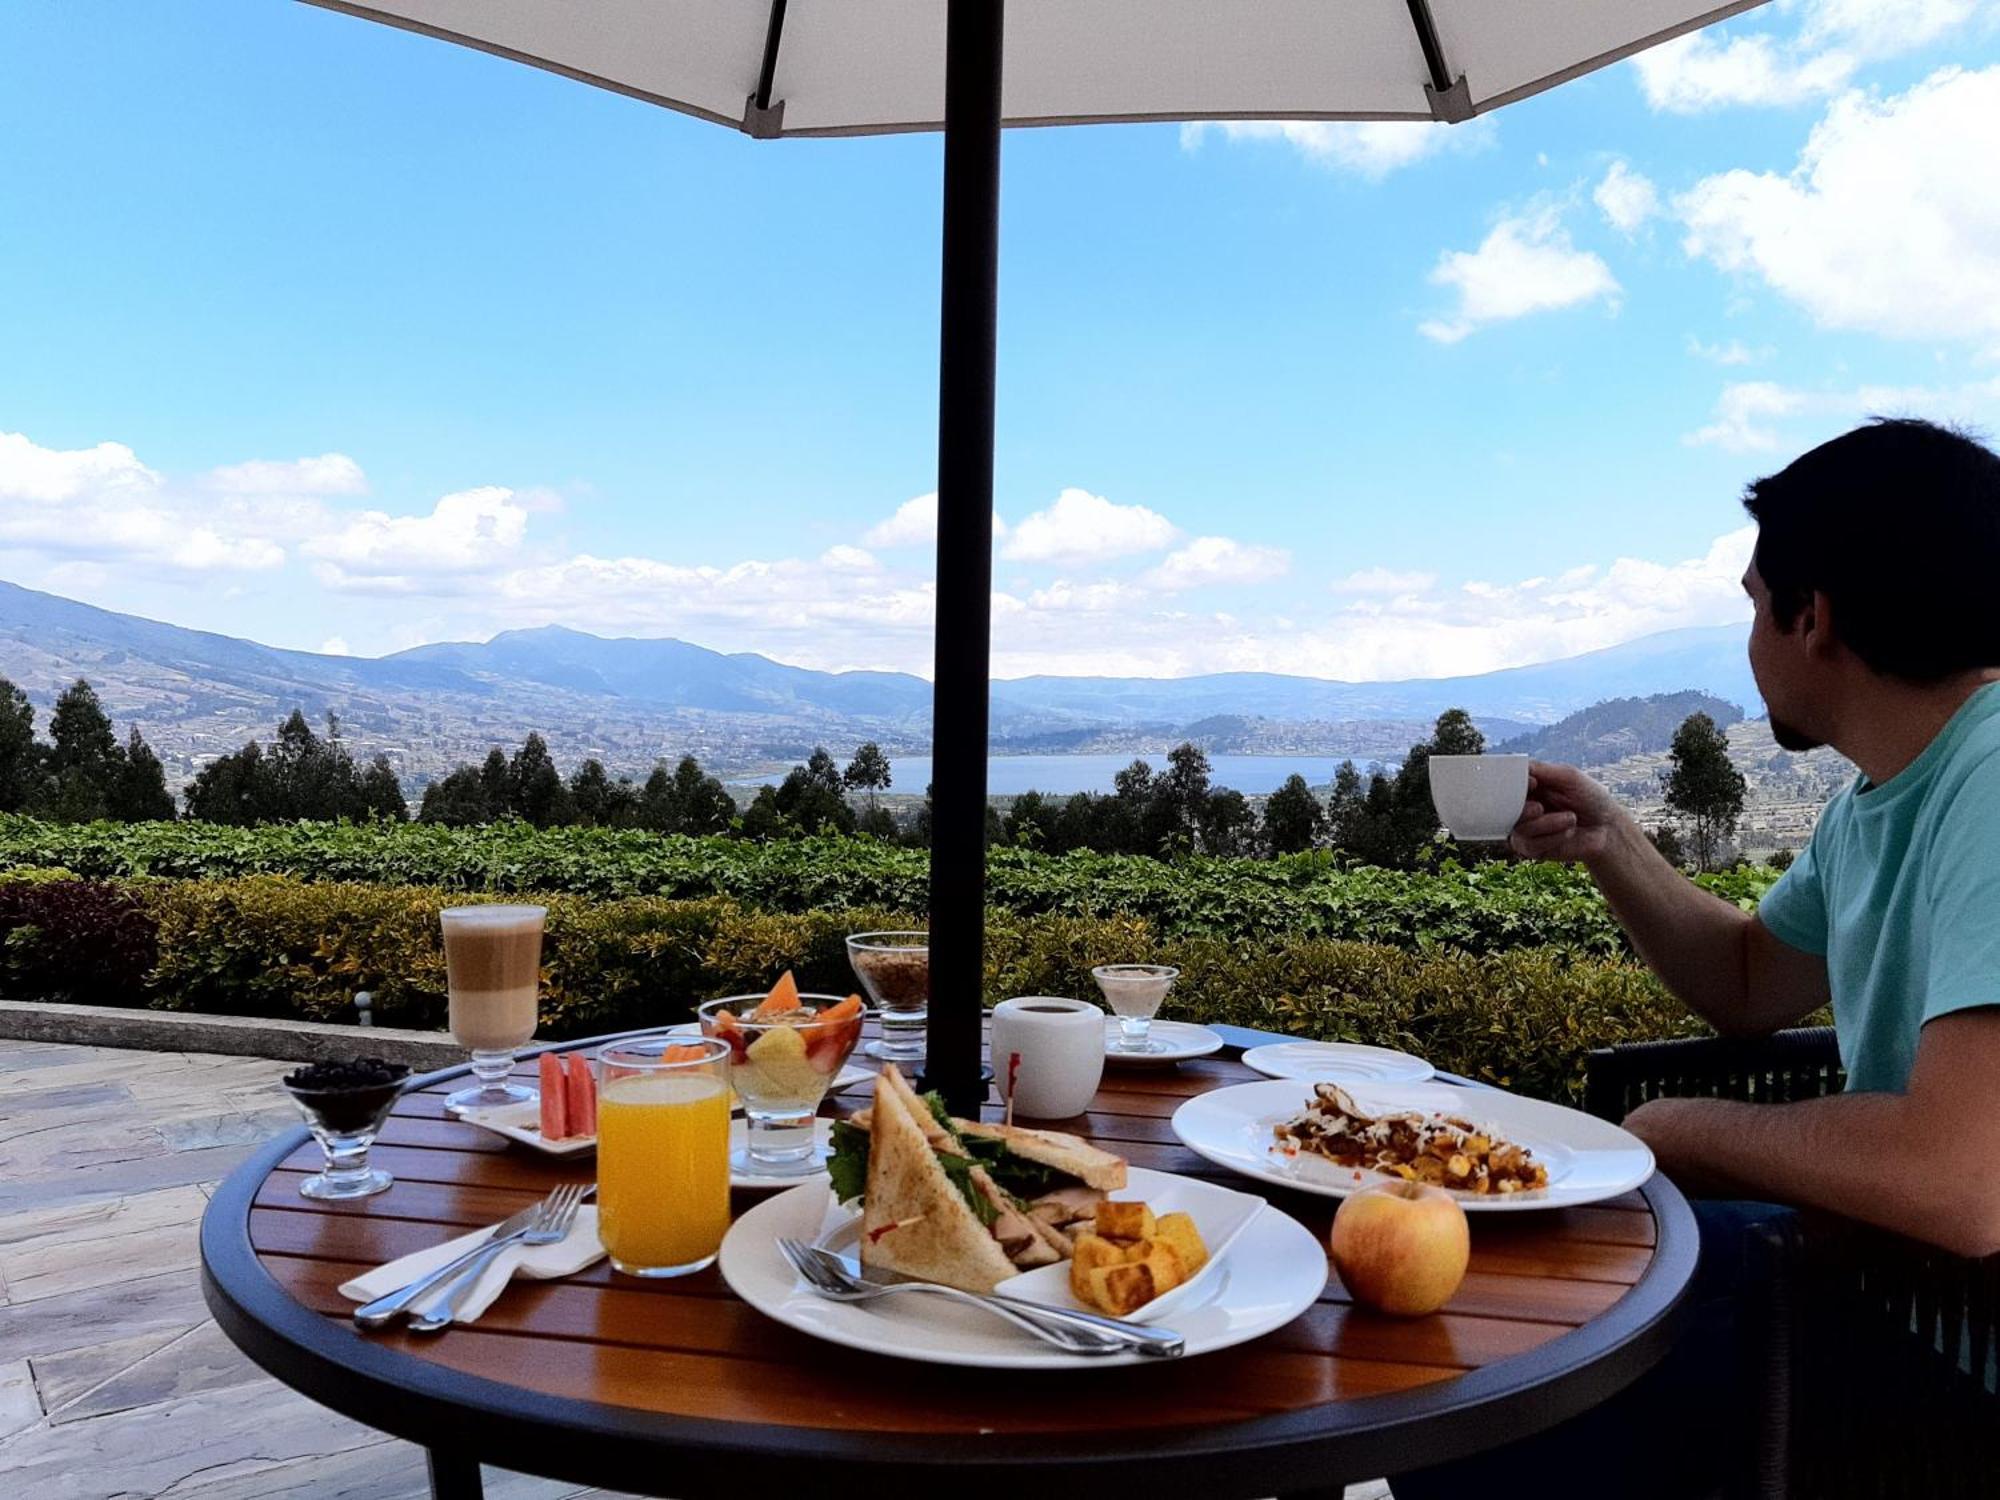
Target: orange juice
[[663, 1169]]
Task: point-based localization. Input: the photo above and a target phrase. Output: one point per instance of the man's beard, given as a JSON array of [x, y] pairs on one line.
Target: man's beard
[[1789, 738]]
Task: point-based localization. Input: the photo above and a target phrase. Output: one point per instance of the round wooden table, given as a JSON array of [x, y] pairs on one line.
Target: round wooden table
[[679, 1389]]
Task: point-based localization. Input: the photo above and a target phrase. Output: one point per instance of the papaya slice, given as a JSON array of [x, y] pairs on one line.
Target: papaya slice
[[555, 1101], [784, 997], [683, 1054], [851, 1006], [582, 1097]]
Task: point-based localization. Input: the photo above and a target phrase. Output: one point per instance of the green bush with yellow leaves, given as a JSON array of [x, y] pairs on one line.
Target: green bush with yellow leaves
[[272, 945]]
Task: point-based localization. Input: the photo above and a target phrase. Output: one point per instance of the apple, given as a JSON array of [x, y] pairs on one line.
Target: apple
[[1401, 1247]]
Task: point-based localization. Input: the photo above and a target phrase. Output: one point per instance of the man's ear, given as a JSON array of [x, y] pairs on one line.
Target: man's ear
[[1815, 626]]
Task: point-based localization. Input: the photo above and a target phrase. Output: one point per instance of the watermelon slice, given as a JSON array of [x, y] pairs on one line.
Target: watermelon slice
[[582, 1098], [555, 1113], [784, 997]]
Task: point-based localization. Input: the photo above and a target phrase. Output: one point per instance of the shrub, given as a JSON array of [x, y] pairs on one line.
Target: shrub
[[82, 942], [270, 945], [1490, 908]]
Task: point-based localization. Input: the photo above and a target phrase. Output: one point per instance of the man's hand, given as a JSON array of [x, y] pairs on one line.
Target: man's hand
[[1568, 817]]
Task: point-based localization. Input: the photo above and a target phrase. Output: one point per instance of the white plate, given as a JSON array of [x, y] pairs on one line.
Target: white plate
[[1273, 1271], [1337, 1062], [1178, 1041], [1587, 1159], [522, 1123]]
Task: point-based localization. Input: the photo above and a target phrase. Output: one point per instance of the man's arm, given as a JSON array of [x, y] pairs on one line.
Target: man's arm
[[1719, 959], [1920, 1163]]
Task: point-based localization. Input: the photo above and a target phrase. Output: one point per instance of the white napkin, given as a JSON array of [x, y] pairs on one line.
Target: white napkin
[[577, 1249]]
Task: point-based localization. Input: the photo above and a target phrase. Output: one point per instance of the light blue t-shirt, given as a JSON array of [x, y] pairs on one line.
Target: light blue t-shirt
[[1899, 888]]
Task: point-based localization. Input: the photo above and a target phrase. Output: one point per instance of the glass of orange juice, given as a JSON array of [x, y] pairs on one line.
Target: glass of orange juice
[[663, 1153]]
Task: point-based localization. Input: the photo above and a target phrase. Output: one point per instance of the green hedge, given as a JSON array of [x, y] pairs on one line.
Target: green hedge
[[276, 946], [1485, 909]]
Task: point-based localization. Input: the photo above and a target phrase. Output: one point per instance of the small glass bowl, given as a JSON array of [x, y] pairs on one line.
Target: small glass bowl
[[345, 1117]]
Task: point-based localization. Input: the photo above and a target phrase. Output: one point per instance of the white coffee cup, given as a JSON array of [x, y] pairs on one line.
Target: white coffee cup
[[1048, 1054], [1479, 796]]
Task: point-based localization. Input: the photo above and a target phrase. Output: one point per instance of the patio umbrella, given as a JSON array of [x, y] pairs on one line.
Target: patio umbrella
[[861, 67]]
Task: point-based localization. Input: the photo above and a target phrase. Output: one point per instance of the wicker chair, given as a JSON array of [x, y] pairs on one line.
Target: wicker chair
[[1872, 1357]]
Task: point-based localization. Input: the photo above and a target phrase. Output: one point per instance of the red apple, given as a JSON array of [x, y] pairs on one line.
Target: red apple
[[1401, 1247]]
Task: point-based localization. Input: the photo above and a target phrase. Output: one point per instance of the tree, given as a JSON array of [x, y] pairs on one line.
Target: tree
[[1029, 822], [704, 802], [1456, 734], [1293, 817], [868, 771], [1226, 822], [761, 819], [1704, 787], [20, 757], [1782, 859], [458, 800], [231, 788], [539, 795], [1173, 820], [590, 792], [1344, 806], [139, 794], [381, 794], [877, 822], [1668, 843], [84, 760], [812, 798], [496, 784]]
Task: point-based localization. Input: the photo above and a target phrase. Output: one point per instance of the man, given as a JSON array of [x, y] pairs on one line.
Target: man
[[1876, 588]]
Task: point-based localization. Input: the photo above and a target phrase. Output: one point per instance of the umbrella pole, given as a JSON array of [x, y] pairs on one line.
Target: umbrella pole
[[966, 353]]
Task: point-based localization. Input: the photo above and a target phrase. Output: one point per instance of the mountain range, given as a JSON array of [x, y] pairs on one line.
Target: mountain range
[[197, 693]]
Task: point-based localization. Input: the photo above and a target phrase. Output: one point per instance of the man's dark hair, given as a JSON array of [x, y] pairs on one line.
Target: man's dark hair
[[1897, 523]]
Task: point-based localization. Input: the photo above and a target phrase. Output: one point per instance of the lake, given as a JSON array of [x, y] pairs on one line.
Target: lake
[[1010, 775]]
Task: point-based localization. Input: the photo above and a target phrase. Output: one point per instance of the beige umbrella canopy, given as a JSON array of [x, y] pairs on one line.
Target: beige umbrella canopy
[[859, 67], [776, 68]]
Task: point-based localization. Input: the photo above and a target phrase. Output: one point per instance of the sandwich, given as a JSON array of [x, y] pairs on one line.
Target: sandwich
[[960, 1202]]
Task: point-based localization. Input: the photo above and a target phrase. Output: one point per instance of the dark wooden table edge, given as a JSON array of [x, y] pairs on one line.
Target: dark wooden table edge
[[468, 1417]]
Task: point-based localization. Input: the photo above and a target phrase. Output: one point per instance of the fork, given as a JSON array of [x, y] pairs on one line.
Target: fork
[[553, 1218], [1076, 1333]]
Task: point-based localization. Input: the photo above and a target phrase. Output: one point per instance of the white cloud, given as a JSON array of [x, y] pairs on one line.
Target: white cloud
[[1082, 528], [1626, 198], [1527, 264], [1704, 71], [465, 532], [335, 645], [1749, 415], [845, 559], [328, 474], [101, 502], [1743, 414], [1889, 222], [1368, 148], [913, 525], [1218, 559], [1735, 352], [49, 475], [1386, 581], [1710, 70]]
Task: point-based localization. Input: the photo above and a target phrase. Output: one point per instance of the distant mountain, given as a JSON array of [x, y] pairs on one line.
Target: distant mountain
[[629, 701], [1611, 731]]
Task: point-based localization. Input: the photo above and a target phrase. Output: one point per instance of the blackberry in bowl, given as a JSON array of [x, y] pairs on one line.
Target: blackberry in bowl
[[344, 1104]]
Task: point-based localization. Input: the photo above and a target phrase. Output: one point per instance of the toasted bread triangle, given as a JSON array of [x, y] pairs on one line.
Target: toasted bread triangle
[[1089, 1164], [913, 1220]]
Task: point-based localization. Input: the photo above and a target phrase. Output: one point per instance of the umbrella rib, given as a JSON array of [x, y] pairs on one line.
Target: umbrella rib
[[1450, 99], [761, 118]]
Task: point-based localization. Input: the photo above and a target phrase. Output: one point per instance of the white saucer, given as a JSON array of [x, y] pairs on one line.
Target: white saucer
[[521, 1123], [1269, 1273], [1337, 1062], [1176, 1041]]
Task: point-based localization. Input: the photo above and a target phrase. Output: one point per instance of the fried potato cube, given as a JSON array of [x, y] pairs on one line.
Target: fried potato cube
[[1178, 1231], [1093, 1253], [1124, 1221], [1121, 1290]]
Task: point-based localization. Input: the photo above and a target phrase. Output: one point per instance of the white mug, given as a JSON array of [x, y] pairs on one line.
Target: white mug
[[1479, 796], [1048, 1054]]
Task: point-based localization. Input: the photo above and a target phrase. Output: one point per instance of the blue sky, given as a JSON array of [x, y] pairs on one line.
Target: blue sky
[[329, 335]]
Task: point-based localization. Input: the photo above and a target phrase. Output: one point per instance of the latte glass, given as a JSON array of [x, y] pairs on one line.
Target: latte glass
[[493, 963]]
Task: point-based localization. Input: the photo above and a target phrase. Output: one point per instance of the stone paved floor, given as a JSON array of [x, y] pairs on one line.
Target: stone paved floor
[[114, 1382]]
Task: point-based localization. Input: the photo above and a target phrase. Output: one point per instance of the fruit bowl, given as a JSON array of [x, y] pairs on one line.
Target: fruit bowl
[[785, 1050]]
